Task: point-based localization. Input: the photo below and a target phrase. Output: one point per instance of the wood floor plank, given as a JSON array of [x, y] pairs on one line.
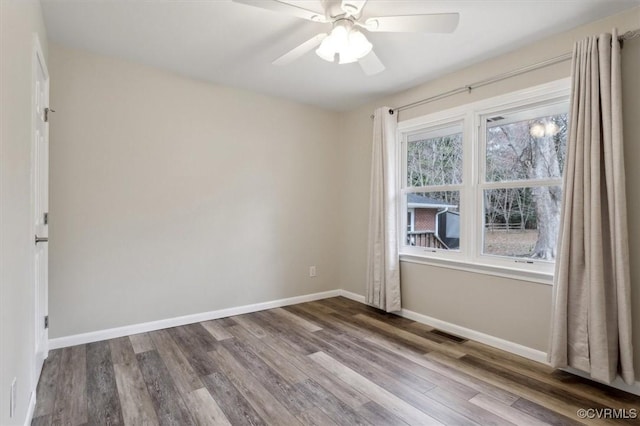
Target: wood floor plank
[[372, 365], [70, 406], [122, 351], [450, 337], [297, 320], [169, 405], [248, 322], [503, 379], [273, 325], [397, 406], [328, 362], [216, 329], [262, 400], [503, 357], [226, 322], [413, 365], [274, 358], [184, 377], [324, 308], [467, 409], [334, 321], [44, 420], [204, 409], [507, 412], [378, 415], [406, 388], [277, 385], [141, 343], [544, 373], [46, 391], [314, 314], [464, 379], [430, 345], [235, 407], [315, 417], [544, 414], [102, 391], [136, 403], [341, 390], [337, 410], [296, 355], [570, 400], [354, 308], [194, 350], [430, 333]]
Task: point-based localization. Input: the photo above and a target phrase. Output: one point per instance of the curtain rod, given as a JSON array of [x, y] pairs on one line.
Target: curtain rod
[[629, 35]]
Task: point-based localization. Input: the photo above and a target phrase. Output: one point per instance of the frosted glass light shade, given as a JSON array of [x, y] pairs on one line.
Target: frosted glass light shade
[[345, 41], [359, 46]]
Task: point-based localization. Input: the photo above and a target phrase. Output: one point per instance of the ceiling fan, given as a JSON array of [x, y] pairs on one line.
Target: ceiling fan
[[346, 42]]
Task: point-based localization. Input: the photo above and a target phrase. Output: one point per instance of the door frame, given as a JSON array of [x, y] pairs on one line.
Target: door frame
[[38, 61]]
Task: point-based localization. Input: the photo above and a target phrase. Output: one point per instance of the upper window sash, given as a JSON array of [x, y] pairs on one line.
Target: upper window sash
[[557, 104]]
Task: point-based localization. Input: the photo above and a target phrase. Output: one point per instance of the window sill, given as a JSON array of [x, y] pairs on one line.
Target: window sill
[[479, 268]]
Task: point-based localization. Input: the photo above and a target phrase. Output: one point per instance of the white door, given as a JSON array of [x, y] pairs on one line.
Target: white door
[[40, 176]]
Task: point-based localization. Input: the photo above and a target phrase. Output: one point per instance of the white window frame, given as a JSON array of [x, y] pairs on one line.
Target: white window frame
[[472, 116], [410, 227]]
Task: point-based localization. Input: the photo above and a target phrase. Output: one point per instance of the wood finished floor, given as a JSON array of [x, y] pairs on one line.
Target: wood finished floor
[[330, 362]]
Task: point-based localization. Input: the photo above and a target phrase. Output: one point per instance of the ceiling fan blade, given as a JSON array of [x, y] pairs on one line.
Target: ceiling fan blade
[[371, 64], [297, 52], [353, 7], [430, 23], [279, 6]]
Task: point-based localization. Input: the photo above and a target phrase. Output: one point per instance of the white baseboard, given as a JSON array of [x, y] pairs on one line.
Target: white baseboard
[[467, 333], [111, 333], [353, 296], [478, 336], [496, 342], [31, 409]]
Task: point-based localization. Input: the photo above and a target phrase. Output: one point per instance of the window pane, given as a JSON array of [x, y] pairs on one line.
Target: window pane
[[531, 147], [433, 220], [522, 222], [435, 157]]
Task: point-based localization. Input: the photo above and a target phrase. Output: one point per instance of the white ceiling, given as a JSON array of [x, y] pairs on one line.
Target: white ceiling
[[233, 44]]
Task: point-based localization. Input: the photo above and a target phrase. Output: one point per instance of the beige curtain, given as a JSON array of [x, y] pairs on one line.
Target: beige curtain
[[383, 266], [591, 323]]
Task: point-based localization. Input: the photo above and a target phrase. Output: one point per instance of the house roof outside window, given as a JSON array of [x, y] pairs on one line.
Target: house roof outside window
[[422, 202]]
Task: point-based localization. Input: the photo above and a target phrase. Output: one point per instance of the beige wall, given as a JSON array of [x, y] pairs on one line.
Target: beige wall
[[508, 309], [171, 196], [19, 20]]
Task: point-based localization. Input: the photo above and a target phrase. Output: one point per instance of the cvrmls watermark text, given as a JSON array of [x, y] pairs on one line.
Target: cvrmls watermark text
[[607, 413]]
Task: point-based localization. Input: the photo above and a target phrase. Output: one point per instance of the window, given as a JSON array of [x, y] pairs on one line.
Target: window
[[521, 187], [433, 161], [481, 185]]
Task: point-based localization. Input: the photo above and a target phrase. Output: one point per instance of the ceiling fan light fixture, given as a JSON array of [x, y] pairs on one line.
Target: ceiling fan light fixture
[[359, 46], [345, 41], [327, 49]]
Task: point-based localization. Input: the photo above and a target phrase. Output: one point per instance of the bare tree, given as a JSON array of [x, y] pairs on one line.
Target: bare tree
[[522, 152]]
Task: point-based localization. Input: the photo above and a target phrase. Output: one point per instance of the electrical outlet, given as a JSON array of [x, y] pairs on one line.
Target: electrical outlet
[[312, 271], [12, 398]]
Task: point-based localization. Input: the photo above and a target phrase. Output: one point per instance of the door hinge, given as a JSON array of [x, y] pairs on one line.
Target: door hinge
[[46, 321], [46, 218], [47, 110]]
